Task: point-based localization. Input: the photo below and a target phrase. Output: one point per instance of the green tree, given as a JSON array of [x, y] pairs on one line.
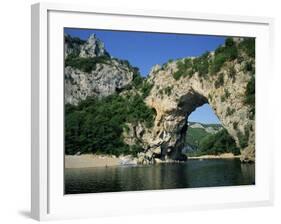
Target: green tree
[[96, 125]]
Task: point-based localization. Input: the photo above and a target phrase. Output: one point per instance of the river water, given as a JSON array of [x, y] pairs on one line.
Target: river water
[[191, 174]]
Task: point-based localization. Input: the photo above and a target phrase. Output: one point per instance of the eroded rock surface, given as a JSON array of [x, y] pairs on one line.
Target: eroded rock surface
[[108, 75], [105, 80]]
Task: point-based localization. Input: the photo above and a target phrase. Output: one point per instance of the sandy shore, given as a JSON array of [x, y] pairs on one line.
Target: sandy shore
[[221, 156], [90, 160]]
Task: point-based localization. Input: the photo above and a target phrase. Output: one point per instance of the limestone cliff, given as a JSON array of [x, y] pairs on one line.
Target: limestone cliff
[[90, 71], [93, 47]]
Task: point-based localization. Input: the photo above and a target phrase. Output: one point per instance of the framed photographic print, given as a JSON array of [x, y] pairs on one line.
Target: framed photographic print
[[134, 109]]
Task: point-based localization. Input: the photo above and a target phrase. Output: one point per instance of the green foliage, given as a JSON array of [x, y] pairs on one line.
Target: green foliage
[[232, 73], [224, 53], [240, 59], [248, 45], [201, 64], [220, 81], [217, 63], [187, 63], [170, 60], [249, 67], [146, 88], [74, 40], [226, 93], [136, 111], [206, 143], [135, 149], [137, 80], [188, 66], [177, 75], [73, 43], [164, 66], [194, 136], [184, 69], [141, 84], [85, 64], [96, 125], [235, 125], [168, 90], [250, 94], [229, 42], [228, 52], [229, 111], [125, 62], [221, 142], [243, 139]]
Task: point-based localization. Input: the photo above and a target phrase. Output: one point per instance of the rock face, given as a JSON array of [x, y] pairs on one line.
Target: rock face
[[209, 128], [72, 45], [172, 99], [173, 109], [105, 80], [92, 48], [212, 130], [196, 125], [108, 76]]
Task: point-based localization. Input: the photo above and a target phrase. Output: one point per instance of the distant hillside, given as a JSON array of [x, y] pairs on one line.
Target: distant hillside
[[210, 128], [197, 131], [204, 139]]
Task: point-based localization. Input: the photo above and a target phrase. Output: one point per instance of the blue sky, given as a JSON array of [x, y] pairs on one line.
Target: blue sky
[[204, 114], [145, 50]]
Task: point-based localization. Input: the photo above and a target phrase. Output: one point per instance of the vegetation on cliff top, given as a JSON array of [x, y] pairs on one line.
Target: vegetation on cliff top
[[205, 65], [140, 83], [85, 64]]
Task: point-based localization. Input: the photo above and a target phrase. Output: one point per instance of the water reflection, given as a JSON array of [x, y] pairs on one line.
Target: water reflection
[[194, 173], [248, 172]]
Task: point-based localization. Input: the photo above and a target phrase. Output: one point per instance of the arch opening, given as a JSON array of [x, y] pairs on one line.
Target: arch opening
[[196, 130], [205, 135]]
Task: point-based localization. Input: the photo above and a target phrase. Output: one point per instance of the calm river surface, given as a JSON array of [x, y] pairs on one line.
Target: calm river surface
[[194, 173]]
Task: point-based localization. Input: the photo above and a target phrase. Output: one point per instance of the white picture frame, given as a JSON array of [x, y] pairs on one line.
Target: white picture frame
[[48, 201]]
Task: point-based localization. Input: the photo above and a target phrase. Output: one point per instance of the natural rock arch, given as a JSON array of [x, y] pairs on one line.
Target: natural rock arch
[[174, 100]]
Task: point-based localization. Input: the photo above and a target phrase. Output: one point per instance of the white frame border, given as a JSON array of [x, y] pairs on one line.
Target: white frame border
[[39, 95]]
